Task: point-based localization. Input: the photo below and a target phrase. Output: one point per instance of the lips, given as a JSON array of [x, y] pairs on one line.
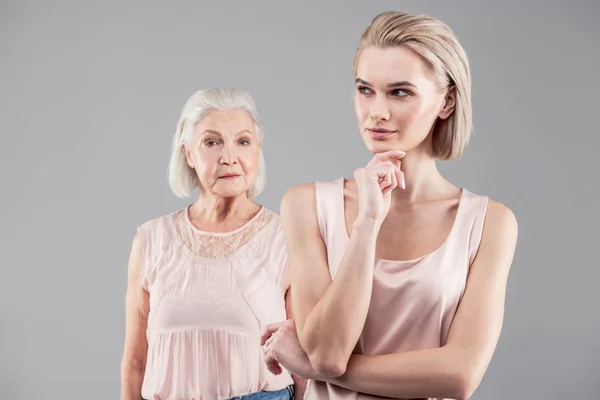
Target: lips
[[229, 176], [379, 133]]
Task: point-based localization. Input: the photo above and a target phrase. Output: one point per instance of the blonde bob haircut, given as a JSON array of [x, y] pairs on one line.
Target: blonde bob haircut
[[182, 178], [445, 61]]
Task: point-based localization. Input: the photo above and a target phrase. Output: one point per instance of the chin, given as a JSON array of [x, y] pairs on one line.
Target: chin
[[231, 190], [231, 194], [381, 146]]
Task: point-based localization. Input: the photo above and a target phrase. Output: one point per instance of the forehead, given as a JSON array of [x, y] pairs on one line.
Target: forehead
[[393, 64], [227, 122]]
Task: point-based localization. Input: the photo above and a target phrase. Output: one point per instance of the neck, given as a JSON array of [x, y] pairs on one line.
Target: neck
[[216, 209], [423, 179]]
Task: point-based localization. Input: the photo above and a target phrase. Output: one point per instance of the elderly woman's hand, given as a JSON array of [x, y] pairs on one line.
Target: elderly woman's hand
[[282, 348]]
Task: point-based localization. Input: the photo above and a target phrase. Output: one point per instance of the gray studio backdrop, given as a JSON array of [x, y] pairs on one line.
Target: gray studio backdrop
[[90, 93]]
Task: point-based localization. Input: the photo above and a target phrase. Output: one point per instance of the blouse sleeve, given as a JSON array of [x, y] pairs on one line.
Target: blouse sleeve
[[278, 256], [144, 237]]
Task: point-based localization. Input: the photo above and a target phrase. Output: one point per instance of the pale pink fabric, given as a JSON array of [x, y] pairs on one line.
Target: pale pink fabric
[[413, 302], [210, 294]]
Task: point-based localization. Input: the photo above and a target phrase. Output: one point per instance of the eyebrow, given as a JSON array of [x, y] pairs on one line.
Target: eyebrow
[[393, 84], [214, 132]]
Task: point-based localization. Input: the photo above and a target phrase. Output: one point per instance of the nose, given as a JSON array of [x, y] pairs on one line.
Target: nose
[[229, 156], [380, 110]]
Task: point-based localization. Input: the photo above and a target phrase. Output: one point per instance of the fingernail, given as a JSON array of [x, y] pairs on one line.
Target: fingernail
[[403, 183]]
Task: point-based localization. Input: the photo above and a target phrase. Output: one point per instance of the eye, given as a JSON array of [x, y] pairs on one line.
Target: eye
[[244, 142], [210, 143], [400, 93], [364, 90]]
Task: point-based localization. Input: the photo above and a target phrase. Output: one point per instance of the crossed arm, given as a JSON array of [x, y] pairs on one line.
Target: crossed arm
[[299, 382], [451, 371]]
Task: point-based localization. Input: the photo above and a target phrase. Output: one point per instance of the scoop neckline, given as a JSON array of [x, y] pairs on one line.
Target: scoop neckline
[[461, 199], [188, 221]]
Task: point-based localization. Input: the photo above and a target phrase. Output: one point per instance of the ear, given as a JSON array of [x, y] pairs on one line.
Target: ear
[[449, 103], [186, 153]]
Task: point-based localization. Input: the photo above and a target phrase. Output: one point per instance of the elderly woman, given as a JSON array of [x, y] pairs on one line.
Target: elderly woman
[[203, 280]]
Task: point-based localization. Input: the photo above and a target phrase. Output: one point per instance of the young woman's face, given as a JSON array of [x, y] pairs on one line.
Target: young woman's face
[[224, 152], [396, 101]]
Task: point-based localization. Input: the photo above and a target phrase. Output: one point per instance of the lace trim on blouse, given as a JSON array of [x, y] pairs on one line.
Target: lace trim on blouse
[[216, 245]]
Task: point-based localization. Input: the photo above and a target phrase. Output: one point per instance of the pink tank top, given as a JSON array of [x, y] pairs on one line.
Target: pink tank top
[[413, 302], [210, 294]]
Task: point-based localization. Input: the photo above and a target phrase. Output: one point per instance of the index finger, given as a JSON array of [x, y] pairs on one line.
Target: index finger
[[269, 330], [391, 155]]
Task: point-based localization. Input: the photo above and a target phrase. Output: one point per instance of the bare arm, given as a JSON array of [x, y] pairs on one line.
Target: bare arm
[[322, 306], [456, 369], [133, 363], [299, 383]]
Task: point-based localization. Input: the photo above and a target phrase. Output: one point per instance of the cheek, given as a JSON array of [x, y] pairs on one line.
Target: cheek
[[204, 161], [361, 108], [428, 114], [249, 160], [412, 114]]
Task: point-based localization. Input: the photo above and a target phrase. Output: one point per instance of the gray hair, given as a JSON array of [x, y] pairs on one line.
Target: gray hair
[[183, 178]]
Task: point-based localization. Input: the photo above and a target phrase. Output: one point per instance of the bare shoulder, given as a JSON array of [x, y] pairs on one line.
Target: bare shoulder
[[499, 239], [299, 195], [298, 200], [500, 219], [299, 216]]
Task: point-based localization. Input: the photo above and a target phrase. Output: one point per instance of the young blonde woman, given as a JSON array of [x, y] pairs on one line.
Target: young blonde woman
[[398, 275]]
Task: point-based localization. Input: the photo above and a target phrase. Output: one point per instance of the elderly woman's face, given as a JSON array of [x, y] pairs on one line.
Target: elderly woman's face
[[224, 151]]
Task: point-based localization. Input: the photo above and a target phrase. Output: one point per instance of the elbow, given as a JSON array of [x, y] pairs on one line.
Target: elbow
[[328, 359], [328, 366], [465, 384]]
